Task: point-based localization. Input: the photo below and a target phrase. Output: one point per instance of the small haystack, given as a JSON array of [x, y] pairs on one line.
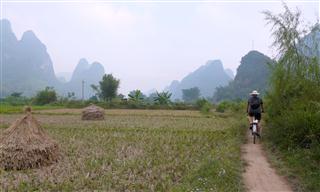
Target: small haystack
[[26, 145], [93, 112]]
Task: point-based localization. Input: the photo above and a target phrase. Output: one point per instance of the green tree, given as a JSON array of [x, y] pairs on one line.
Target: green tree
[[46, 96], [163, 98], [108, 87], [190, 95], [16, 98], [16, 94]]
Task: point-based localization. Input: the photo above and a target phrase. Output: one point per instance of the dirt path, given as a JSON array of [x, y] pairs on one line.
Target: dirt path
[[259, 176]]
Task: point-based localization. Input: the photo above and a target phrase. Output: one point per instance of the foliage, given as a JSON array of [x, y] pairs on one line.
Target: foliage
[[108, 87], [201, 102], [234, 106], [203, 105], [16, 99], [163, 98], [293, 100], [206, 108], [16, 94], [295, 91], [46, 96], [136, 96], [190, 95], [150, 99], [221, 107]]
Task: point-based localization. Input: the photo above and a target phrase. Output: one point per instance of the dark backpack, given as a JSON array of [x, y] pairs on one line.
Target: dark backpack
[[255, 103]]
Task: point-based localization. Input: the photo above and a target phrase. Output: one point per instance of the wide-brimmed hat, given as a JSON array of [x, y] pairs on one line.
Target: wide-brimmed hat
[[254, 92]]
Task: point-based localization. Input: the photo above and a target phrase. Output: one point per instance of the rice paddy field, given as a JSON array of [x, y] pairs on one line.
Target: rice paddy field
[[136, 150]]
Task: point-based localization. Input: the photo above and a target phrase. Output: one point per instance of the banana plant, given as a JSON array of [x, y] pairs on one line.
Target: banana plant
[[163, 98], [136, 96]]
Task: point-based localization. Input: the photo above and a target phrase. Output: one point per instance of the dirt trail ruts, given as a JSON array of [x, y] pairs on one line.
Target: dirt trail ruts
[[259, 175]]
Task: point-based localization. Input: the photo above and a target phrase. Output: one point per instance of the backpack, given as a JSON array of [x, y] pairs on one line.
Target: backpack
[[255, 103]]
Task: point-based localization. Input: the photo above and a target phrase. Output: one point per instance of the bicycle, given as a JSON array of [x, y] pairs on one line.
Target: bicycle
[[254, 130]]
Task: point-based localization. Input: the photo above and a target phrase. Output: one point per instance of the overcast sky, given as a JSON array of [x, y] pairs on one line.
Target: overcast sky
[[147, 45]]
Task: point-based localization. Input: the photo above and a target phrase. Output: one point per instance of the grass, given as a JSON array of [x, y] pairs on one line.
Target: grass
[[137, 150], [10, 109], [297, 165]]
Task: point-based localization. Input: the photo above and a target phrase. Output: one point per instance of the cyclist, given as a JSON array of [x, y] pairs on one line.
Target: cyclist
[[255, 108]]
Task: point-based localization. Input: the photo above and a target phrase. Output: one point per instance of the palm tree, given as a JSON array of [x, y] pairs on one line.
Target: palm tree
[[163, 98]]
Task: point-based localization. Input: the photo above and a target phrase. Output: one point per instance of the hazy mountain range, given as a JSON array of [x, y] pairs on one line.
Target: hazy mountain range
[[310, 45], [252, 74], [28, 68], [206, 78], [85, 75]]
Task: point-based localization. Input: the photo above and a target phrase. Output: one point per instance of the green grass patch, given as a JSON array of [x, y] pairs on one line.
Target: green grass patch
[[297, 165], [10, 109]]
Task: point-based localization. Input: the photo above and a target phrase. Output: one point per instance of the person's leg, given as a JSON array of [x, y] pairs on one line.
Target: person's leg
[[250, 118], [258, 117]]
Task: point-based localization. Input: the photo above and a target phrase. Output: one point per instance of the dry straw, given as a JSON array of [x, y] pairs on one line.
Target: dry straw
[[93, 112], [25, 144]]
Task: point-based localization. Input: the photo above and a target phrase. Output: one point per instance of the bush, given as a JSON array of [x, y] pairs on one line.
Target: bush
[[16, 100], [231, 105], [201, 102], [206, 108], [221, 108], [46, 96], [293, 98]]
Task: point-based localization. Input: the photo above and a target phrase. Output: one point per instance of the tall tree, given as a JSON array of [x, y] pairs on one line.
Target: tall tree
[[108, 87], [190, 95]]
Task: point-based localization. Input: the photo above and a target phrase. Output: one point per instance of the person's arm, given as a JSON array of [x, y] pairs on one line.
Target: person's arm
[[248, 107], [262, 109]]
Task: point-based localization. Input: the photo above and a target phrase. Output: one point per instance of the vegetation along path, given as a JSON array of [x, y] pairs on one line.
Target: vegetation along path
[[259, 175]]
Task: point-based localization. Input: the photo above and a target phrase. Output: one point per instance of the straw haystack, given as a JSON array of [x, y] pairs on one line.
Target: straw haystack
[[93, 112], [26, 145]]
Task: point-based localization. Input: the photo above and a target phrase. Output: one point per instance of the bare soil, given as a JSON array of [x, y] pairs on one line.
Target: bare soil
[[259, 175]]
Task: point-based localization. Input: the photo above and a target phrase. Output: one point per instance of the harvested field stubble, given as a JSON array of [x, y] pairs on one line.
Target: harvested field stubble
[[146, 152]]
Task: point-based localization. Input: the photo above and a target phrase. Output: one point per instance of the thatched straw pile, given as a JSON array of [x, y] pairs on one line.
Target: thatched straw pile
[[26, 145], [93, 112]]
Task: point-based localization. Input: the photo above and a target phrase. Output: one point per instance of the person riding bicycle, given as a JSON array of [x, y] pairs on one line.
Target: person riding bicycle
[[254, 108]]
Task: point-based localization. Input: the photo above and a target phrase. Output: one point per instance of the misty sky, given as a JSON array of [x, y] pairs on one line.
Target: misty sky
[[147, 45]]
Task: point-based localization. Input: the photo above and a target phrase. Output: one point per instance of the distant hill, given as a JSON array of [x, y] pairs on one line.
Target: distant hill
[[89, 73], [64, 76], [230, 73], [27, 67], [206, 78], [311, 42], [253, 73]]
